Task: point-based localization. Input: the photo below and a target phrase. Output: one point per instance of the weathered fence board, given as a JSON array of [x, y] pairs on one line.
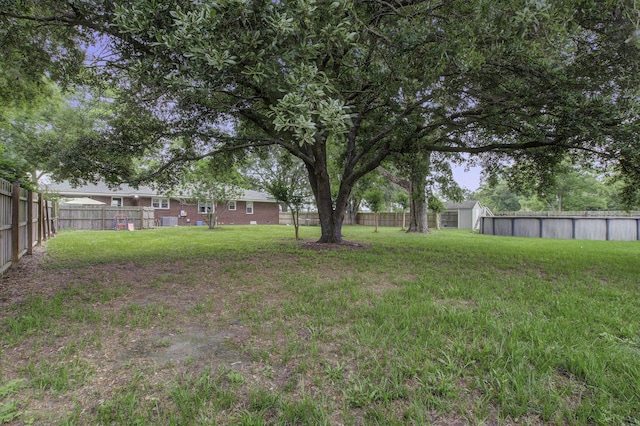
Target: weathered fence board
[[579, 228], [5, 224], [366, 219], [21, 223], [103, 217]]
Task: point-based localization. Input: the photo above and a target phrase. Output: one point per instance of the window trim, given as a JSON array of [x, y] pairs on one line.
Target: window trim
[[249, 207], [117, 205], [233, 205], [205, 204], [160, 200]]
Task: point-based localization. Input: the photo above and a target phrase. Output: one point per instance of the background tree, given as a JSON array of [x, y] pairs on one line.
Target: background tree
[[41, 139], [436, 206], [213, 184], [402, 200], [354, 202], [422, 174], [522, 83], [374, 198], [12, 171], [572, 189], [498, 197], [33, 55], [281, 175]]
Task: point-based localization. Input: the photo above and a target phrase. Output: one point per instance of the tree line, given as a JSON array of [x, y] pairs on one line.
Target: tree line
[[520, 88]]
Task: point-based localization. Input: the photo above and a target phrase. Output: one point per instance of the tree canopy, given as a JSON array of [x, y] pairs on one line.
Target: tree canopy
[[513, 82], [572, 189]]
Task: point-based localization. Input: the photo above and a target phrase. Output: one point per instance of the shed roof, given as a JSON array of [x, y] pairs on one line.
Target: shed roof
[[467, 204]]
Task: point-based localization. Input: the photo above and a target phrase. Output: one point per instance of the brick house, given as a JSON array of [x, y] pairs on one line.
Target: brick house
[[252, 208]]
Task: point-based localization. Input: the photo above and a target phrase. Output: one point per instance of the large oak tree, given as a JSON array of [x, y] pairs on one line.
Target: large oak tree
[[517, 82]]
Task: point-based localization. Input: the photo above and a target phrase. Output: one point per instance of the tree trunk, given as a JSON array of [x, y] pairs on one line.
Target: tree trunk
[[418, 212], [418, 221], [295, 216], [331, 227], [330, 218], [416, 187], [352, 210]]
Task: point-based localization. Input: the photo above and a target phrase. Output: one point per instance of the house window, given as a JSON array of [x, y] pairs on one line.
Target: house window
[[160, 203], [205, 207], [232, 205], [249, 207], [116, 201]]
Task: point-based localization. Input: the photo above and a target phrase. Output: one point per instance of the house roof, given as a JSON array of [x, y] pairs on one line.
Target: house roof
[[124, 190], [468, 204], [100, 188]]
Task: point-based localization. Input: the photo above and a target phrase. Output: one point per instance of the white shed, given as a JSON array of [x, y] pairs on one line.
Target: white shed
[[465, 215]]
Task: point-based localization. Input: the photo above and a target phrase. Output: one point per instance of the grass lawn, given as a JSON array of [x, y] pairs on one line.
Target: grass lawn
[[245, 326]]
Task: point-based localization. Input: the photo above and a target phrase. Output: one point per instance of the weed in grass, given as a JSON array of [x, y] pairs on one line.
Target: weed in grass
[[75, 346], [235, 378], [198, 309], [291, 349], [246, 418], [304, 411], [35, 315], [58, 377], [256, 354], [128, 405], [192, 395], [136, 315], [107, 294], [265, 403], [74, 418], [162, 343], [335, 373], [267, 372], [362, 392], [124, 408], [9, 409]]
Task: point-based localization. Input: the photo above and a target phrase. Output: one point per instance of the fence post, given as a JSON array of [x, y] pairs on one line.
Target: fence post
[[30, 222], [47, 231], [40, 219], [15, 224], [54, 217]]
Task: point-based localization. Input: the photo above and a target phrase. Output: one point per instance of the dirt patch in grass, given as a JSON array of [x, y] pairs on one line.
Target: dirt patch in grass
[[17, 282], [143, 331]]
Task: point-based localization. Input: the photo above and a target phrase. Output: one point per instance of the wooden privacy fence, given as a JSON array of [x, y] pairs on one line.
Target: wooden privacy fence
[[105, 217], [566, 227], [367, 219], [24, 223]]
